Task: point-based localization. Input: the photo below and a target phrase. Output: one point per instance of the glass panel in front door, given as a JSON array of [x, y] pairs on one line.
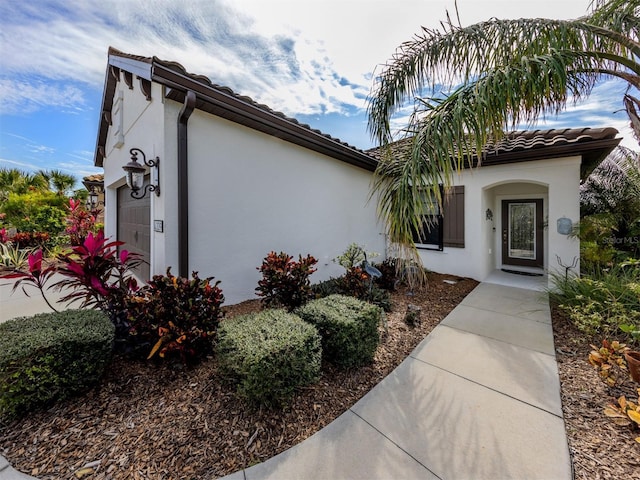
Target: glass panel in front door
[[522, 230]]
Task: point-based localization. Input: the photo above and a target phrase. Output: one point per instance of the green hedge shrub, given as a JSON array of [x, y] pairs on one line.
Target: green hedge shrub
[[50, 357], [348, 326], [354, 284], [268, 355]]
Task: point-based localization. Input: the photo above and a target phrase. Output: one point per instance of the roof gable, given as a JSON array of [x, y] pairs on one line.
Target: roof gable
[[217, 100]]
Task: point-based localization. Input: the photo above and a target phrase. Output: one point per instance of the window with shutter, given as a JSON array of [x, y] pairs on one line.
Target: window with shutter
[[453, 221], [444, 229]]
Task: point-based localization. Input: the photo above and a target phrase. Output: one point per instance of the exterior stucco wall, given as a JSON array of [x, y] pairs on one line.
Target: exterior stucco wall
[[136, 123], [250, 193], [556, 181]]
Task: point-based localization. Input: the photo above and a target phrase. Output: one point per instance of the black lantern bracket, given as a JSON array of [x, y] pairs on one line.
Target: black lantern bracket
[[93, 198], [135, 174]]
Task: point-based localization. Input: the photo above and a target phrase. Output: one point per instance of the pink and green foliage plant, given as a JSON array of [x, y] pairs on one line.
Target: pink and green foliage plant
[[97, 275], [94, 273], [37, 276], [80, 222]]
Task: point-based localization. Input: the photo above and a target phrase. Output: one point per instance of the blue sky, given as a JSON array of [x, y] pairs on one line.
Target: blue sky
[[312, 59]]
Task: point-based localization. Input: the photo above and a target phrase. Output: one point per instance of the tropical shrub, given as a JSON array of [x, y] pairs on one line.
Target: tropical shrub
[[176, 317], [268, 355], [285, 282], [625, 413], [348, 326], [602, 301], [30, 239], [36, 211], [97, 276], [80, 222], [354, 283], [50, 357], [389, 279], [610, 362], [37, 276]]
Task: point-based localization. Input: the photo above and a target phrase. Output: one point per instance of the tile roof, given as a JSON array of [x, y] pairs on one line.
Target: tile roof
[[593, 144], [97, 178], [224, 102]]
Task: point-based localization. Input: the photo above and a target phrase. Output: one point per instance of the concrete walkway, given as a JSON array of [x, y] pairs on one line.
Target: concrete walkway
[[479, 398]]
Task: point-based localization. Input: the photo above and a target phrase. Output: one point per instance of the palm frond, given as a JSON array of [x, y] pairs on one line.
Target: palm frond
[[455, 55]]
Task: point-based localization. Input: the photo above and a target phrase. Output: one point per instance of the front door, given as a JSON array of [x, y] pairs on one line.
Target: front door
[[522, 233]]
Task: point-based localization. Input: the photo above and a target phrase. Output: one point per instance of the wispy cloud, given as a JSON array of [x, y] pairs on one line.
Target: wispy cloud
[[69, 45], [26, 95], [31, 167]]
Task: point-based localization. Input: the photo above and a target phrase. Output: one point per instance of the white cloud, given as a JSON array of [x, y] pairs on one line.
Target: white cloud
[[20, 96], [289, 55]]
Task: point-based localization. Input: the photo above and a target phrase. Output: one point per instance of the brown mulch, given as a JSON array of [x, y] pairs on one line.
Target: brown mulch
[[147, 421], [599, 448]]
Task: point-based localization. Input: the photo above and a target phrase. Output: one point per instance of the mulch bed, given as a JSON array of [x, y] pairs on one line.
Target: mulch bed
[[599, 448], [147, 421]]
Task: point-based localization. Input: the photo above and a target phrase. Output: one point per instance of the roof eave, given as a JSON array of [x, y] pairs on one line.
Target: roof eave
[[217, 102], [228, 106], [592, 153]]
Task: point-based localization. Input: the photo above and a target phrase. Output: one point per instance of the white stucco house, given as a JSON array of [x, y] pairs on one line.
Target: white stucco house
[[514, 211], [235, 180]]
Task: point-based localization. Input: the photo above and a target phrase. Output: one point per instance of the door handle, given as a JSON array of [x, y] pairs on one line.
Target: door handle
[[135, 236], [504, 236]]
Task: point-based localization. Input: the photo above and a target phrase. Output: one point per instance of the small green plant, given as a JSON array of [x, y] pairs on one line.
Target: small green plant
[[412, 316], [13, 257], [285, 282], [625, 413], [353, 256], [50, 357], [176, 316], [348, 326], [632, 330], [601, 301], [269, 355], [354, 283], [610, 362]]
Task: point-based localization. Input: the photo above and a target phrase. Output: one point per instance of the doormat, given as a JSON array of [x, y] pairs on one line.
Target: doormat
[[517, 272]]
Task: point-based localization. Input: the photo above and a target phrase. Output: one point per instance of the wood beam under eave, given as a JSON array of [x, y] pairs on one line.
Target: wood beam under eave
[[107, 117], [115, 73], [128, 79], [145, 86]]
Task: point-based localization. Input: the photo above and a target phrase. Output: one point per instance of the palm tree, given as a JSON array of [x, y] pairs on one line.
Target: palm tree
[[500, 73], [13, 180], [613, 189], [58, 181]]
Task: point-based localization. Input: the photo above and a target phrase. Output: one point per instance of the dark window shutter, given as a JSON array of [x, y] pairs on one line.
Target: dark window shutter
[[453, 221]]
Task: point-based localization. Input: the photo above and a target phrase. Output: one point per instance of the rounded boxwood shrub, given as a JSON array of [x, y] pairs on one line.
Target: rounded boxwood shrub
[[268, 355], [348, 326], [50, 357]]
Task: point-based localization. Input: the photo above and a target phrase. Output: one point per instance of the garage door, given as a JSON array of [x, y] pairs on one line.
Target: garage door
[[134, 229]]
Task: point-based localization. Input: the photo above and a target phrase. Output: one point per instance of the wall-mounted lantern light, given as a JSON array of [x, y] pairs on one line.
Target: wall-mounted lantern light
[[93, 199], [488, 215], [135, 174]]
